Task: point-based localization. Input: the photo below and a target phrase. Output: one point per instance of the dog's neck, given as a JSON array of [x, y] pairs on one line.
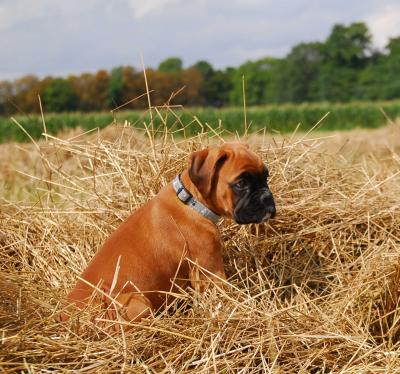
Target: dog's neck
[[188, 193]]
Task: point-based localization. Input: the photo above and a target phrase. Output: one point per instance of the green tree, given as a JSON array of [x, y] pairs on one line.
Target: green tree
[[59, 96], [301, 69], [259, 82], [371, 78], [391, 66], [171, 65], [219, 87], [345, 54], [205, 69], [115, 87], [207, 88], [348, 45]]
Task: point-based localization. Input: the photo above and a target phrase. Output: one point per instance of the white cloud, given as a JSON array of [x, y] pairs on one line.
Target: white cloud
[[385, 24], [15, 12], [142, 8], [12, 12]]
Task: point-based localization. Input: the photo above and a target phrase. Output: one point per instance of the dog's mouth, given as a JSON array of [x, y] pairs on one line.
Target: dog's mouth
[[243, 218], [268, 216]]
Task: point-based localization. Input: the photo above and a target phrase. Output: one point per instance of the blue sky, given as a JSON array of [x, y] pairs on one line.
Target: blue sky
[[50, 37]]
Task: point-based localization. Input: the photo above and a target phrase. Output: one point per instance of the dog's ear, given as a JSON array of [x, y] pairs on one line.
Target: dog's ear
[[204, 168]]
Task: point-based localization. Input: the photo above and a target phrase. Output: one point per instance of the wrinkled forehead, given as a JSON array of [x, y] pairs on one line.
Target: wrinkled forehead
[[241, 159]]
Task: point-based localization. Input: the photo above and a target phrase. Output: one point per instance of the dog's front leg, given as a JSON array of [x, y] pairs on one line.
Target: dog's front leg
[[202, 274]]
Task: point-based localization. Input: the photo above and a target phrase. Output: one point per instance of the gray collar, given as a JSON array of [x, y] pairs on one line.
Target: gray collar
[[186, 197]]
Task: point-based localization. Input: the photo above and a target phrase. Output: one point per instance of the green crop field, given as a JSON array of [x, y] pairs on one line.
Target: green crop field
[[280, 118]]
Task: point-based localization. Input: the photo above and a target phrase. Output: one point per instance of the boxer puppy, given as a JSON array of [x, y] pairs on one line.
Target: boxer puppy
[[151, 253]]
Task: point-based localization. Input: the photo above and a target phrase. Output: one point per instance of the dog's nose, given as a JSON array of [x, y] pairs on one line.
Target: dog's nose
[[273, 211], [268, 200], [266, 196]]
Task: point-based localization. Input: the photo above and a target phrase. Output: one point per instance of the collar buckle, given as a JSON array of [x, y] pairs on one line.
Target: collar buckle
[[183, 194]]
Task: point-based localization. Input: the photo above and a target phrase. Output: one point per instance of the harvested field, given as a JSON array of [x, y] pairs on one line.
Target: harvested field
[[315, 290]]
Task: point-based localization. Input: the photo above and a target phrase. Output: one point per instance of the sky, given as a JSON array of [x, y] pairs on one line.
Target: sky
[[59, 38]]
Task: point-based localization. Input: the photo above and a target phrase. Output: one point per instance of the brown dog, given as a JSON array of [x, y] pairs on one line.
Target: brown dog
[[152, 251]]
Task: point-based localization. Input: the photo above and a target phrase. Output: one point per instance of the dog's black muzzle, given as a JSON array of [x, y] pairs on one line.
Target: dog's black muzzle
[[255, 207]]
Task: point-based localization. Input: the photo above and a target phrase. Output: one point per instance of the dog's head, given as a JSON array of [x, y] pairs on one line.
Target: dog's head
[[233, 182]]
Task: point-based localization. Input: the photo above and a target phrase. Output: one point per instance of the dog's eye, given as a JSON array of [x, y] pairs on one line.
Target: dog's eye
[[240, 185]]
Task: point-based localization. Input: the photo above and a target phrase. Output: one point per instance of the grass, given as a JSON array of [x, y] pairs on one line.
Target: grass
[[313, 291], [280, 118]]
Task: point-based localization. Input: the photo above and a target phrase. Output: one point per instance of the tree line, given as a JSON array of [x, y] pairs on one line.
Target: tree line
[[344, 67]]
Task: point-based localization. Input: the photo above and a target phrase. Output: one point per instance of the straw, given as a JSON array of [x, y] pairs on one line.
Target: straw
[[315, 290]]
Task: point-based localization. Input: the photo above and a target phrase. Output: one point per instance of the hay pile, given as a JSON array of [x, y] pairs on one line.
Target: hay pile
[[314, 291]]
